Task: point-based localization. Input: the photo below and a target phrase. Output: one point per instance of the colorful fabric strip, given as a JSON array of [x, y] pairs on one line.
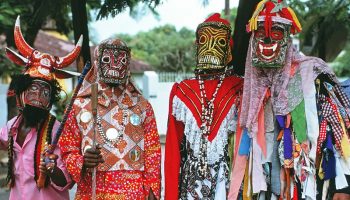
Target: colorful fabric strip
[[299, 122], [244, 146], [328, 162], [43, 139], [287, 136]]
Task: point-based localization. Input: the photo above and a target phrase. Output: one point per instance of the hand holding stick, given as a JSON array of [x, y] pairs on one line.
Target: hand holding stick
[[51, 148]]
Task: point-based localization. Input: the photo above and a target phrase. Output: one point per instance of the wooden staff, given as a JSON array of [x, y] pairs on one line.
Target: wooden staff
[[52, 146], [94, 95]]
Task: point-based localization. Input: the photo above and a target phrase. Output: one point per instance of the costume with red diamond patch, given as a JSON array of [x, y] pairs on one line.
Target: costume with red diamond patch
[[125, 128]]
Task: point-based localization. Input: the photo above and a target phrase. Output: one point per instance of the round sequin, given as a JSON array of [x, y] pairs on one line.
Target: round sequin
[[135, 119], [86, 117], [112, 134]]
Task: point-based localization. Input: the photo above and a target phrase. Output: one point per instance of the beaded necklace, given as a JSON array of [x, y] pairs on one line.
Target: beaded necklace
[[207, 121], [208, 105]]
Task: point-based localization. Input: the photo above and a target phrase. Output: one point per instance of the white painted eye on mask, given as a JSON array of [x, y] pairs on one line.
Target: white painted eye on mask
[[106, 59], [123, 60]]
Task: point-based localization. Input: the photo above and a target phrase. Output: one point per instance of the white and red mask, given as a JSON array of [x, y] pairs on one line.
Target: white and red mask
[[269, 50], [38, 94], [39, 64], [113, 61], [272, 23]]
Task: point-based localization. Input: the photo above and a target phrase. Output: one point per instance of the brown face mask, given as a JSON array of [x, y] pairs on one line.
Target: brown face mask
[[113, 63], [213, 46], [38, 94]]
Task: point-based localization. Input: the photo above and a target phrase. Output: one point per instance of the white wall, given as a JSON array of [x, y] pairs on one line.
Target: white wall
[[161, 106], [3, 103], [157, 94], [138, 79]]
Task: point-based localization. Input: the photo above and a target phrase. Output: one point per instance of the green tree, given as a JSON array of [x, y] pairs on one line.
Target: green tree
[[33, 16], [326, 30], [164, 48], [341, 64], [113, 7], [326, 26]]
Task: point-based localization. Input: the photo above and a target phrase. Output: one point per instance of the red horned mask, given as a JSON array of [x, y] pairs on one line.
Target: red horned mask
[[38, 64]]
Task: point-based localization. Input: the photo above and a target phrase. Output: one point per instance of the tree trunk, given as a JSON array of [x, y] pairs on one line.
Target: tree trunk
[[36, 20], [80, 27], [240, 36], [322, 51], [227, 9]]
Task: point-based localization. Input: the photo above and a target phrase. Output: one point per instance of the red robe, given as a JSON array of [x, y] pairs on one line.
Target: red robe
[[183, 135]]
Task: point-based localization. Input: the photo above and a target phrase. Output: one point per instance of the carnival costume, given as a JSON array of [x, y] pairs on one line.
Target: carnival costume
[[126, 130], [202, 115], [36, 90], [294, 139]]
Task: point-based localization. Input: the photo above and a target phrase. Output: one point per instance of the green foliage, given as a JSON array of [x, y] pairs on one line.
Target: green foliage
[[341, 65], [114, 7], [8, 13], [326, 31], [321, 21], [60, 106], [164, 48], [232, 17], [8, 68], [7, 19]]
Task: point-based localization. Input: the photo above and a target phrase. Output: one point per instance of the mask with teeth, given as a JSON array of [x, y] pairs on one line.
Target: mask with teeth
[[38, 95], [270, 51], [213, 45], [113, 61]]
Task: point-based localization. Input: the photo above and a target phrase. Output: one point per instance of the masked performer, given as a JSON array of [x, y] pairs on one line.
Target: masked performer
[[26, 136], [128, 155], [202, 114], [295, 116]]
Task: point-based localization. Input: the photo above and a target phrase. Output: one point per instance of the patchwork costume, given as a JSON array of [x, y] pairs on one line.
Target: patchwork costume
[[202, 116], [38, 89], [125, 128], [294, 141]]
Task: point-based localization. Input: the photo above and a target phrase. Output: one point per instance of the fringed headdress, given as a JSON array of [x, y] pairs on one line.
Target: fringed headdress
[[270, 11]]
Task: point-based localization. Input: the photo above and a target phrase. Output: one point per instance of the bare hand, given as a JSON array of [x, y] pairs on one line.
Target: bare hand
[[92, 157], [50, 165]]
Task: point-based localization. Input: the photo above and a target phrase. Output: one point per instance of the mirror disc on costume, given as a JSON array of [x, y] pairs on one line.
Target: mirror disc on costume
[[87, 147], [112, 134], [135, 119], [134, 155], [86, 117]]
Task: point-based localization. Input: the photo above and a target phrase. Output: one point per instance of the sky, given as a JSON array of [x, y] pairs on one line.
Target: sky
[[180, 13]]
